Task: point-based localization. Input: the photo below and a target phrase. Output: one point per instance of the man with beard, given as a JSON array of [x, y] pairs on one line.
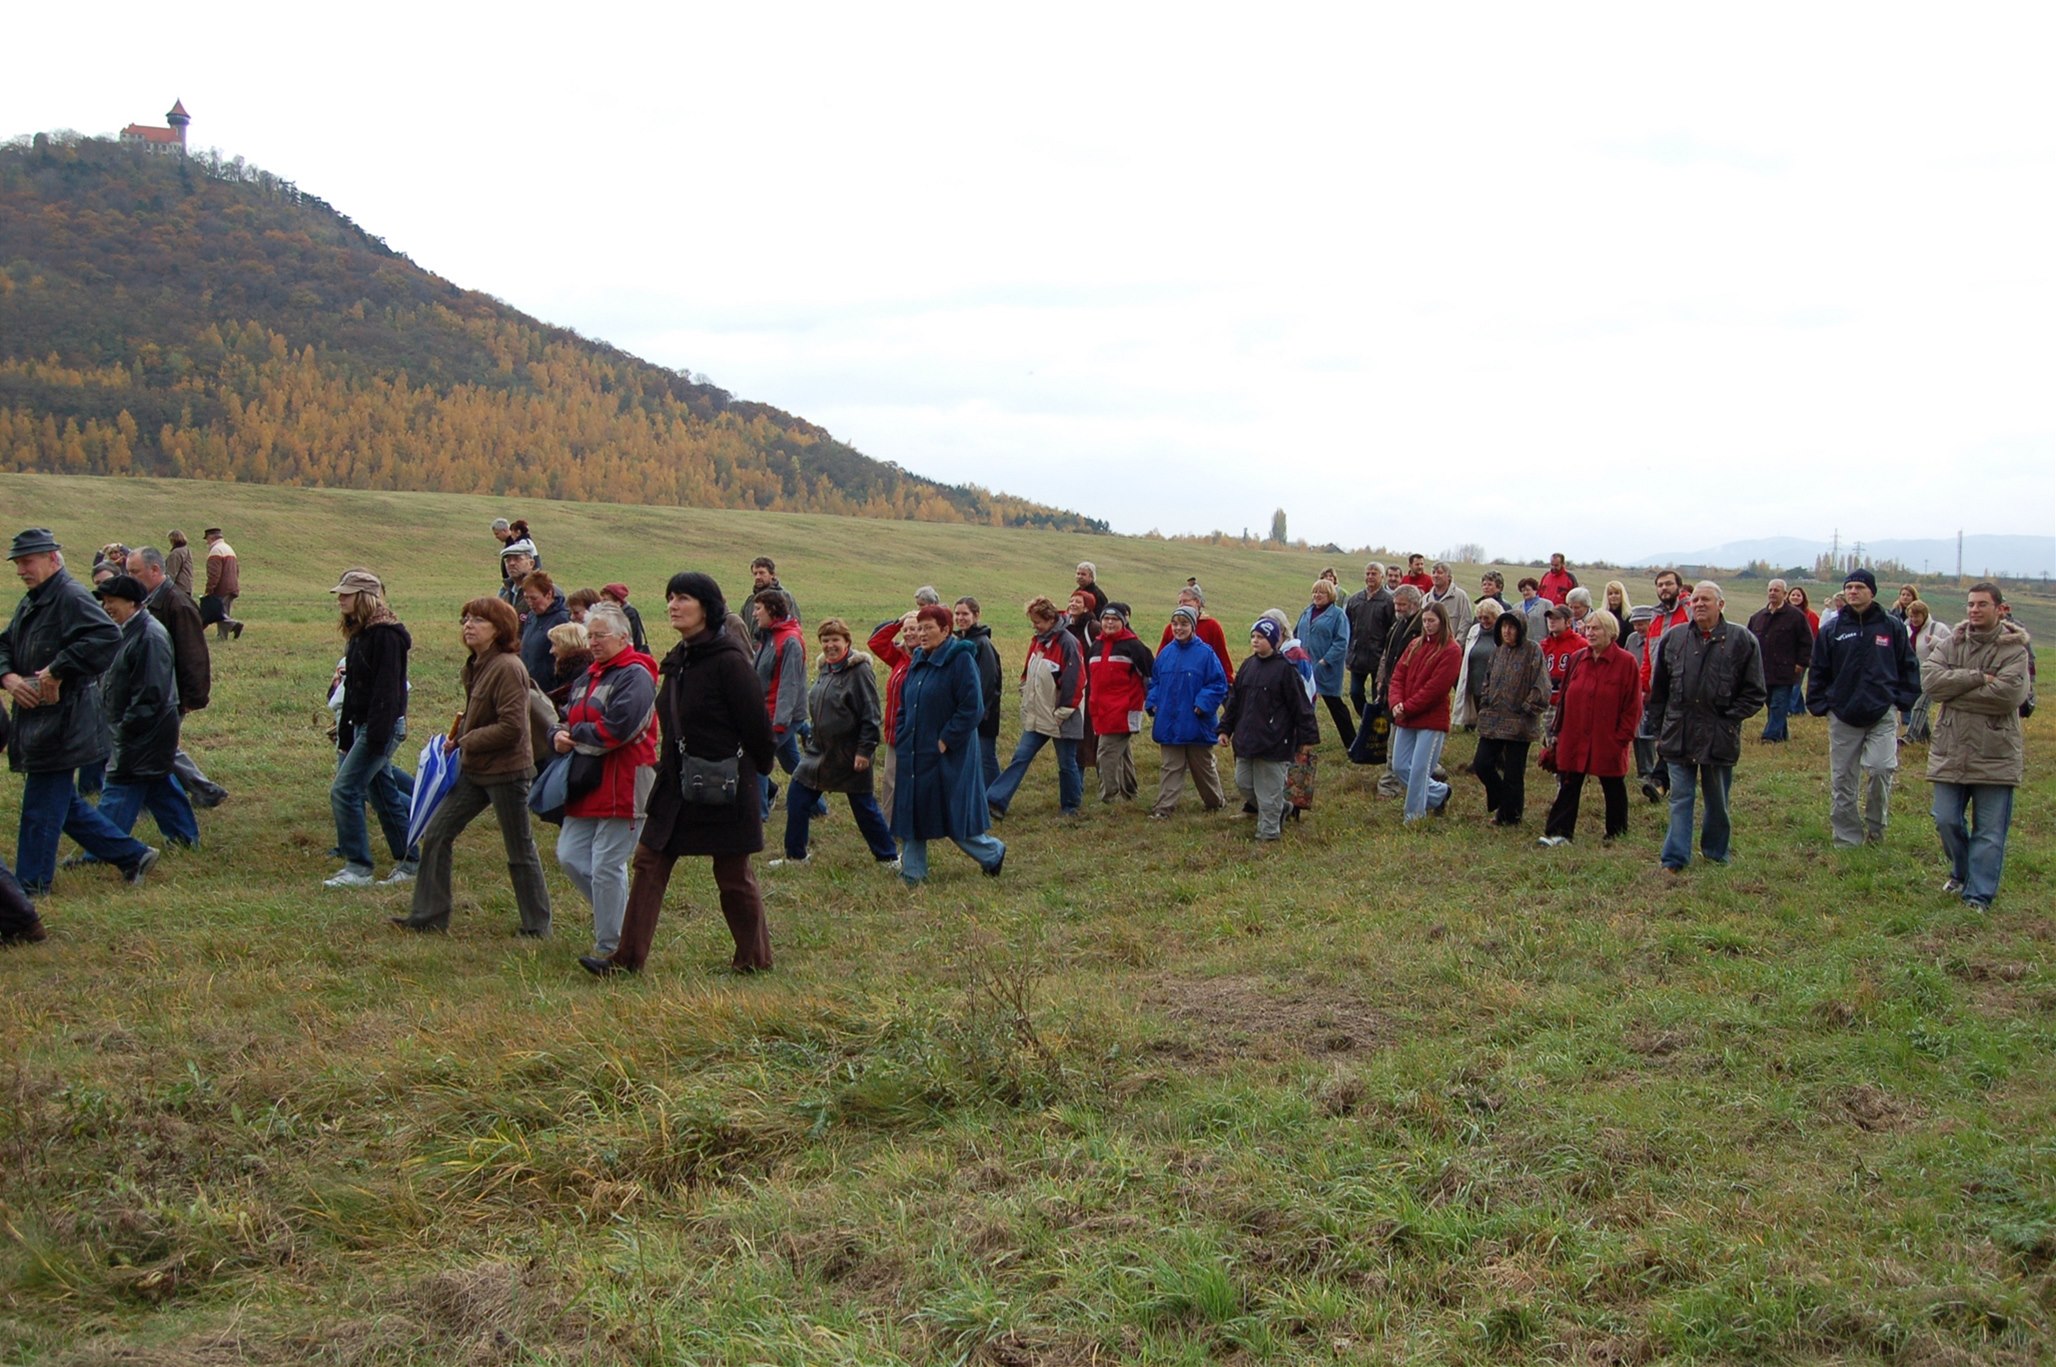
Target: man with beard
[[1671, 611]]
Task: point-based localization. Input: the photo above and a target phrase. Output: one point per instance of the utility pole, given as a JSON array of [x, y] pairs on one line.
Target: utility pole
[[1959, 555], [1835, 555]]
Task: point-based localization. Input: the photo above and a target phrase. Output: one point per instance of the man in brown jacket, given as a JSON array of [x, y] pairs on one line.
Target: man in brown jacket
[[1978, 679], [224, 583]]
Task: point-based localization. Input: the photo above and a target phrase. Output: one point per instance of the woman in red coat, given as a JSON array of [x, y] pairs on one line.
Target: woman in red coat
[[1597, 712], [1419, 692]]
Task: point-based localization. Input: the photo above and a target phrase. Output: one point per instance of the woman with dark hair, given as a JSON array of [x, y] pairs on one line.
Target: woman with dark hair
[[496, 763], [716, 747], [371, 725], [1510, 707], [940, 790], [1420, 687], [1598, 710], [544, 604]]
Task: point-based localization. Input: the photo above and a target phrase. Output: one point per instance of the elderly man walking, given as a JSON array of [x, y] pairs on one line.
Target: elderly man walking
[[52, 654], [1707, 680], [1863, 672], [175, 609], [1978, 678]]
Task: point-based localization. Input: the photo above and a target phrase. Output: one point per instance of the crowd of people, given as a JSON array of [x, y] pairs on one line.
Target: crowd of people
[[570, 716]]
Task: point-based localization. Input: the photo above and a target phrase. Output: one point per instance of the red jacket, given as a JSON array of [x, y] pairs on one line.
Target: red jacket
[[617, 711], [1595, 723], [1116, 682], [1653, 632], [1210, 634], [1557, 585], [883, 646], [1423, 581], [1421, 682], [1556, 653]]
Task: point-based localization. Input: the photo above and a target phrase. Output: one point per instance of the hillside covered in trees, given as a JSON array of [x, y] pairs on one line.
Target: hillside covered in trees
[[197, 317]]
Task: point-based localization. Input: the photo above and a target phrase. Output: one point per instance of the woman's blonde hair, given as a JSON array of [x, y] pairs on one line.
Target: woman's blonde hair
[[1601, 617], [568, 638], [1626, 606], [1325, 587]]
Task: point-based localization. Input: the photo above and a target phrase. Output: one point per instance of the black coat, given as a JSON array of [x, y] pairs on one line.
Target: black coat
[[1370, 622], [980, 636], [709, 700], [140, 695], [535, 641], [61, 626], [374, 684], [1785, 640], [176, 611], [1701, 690], [1269, 715]]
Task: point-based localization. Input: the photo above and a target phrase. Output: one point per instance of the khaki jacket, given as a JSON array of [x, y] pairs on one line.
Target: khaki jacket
[[1978, 680]]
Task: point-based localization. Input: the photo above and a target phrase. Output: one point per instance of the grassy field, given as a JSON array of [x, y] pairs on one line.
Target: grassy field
[[1155, 1096]]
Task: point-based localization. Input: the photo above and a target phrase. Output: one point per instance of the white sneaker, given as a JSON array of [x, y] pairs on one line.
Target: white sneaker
[[398, 877], [890, 865], [348, 878], [800, 862], [1550, 842]]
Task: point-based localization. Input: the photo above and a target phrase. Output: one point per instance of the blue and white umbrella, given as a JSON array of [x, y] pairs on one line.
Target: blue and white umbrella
[[432, 783]]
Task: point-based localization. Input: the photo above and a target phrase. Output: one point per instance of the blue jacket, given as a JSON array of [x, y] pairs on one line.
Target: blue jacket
[[535, 641], [1185, 691], [1863, 667], [937, 795], [1326, 638]]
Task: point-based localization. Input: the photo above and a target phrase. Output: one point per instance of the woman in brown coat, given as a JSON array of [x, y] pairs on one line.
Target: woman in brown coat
[[1510, 707], [496, 763], [710, 708]]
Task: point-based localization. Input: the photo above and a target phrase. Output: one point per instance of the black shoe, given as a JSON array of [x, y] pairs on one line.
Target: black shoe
[[208, 801], [236, 631], [601, 968], [996, 813], [35, 934], [1651, 791], [144, 863], [527, 934], [997, 864], [408, 923]]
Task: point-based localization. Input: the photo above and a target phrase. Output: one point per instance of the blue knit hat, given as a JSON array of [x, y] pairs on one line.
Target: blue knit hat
[[1267, 629]]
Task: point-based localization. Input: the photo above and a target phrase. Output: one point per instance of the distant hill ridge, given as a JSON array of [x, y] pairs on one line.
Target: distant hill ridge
[[187, 316]]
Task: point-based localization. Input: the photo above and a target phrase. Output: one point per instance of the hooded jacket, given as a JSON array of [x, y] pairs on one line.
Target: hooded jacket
[[1053, 685], [1117, 683], [1516, 690], [1863, 666], [711, 705], [140, 694], [612, 716], [375, 688], [1269, 713], [1208, 631], [782, 669], [845, 713], [1978, 679], [535, 641], [1186, 689], [938, 788], [60, 626]]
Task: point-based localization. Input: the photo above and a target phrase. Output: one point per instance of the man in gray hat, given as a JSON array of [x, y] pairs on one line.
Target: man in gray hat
[[52, 654]]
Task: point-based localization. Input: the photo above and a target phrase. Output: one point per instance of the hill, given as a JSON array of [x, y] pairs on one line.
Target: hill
[[199, 318]]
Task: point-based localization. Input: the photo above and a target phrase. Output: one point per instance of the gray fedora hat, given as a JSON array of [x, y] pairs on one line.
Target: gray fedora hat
[[34, 541]]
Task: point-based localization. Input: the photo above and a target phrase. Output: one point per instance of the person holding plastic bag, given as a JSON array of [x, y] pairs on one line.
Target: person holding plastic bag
[[371, 721]]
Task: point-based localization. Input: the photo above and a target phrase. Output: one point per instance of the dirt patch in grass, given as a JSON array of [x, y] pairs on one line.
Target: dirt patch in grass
[[1869, 1107], [1243, 1017]]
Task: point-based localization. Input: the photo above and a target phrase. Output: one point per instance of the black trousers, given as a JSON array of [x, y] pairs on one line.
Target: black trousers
[[1563, 813], [1502, 766], [1345, 724]]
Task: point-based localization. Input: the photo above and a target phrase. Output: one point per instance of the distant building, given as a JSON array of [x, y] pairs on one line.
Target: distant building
[[172, 139]]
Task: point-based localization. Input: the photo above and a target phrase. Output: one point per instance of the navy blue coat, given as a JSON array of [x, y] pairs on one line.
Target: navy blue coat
[[535, 641], [1185, 691], [939, 795], [1863, 667]]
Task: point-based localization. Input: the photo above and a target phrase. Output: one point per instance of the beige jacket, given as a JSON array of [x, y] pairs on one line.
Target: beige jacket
[[1978, 680]]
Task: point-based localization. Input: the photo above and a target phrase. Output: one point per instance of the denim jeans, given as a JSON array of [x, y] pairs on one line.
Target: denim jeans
[[1780, 703], [1713, 781], [367, 774], [1414, 754], [594, 852], [799, 818], [1976, 850], [787, 751], [982, 847], [1070, 777], [51, 807], [166, 801]]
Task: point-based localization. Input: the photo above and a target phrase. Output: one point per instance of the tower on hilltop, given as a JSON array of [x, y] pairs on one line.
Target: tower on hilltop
[[171, 139]]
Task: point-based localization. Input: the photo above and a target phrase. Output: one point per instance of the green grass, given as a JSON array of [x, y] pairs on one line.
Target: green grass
[[1155, 1096]]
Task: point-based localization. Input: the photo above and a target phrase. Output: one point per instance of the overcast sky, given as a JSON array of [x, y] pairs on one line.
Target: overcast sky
[[1611, 279]]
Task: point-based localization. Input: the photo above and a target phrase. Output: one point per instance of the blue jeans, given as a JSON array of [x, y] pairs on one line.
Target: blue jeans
[[1977, 855], [799, 816], [51, 807], [1714, 781], [1780, 707], [1414, 753], [92, 778], [166, 801], [1070, 778], [368, 774], [788, 754], [981, 847]]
